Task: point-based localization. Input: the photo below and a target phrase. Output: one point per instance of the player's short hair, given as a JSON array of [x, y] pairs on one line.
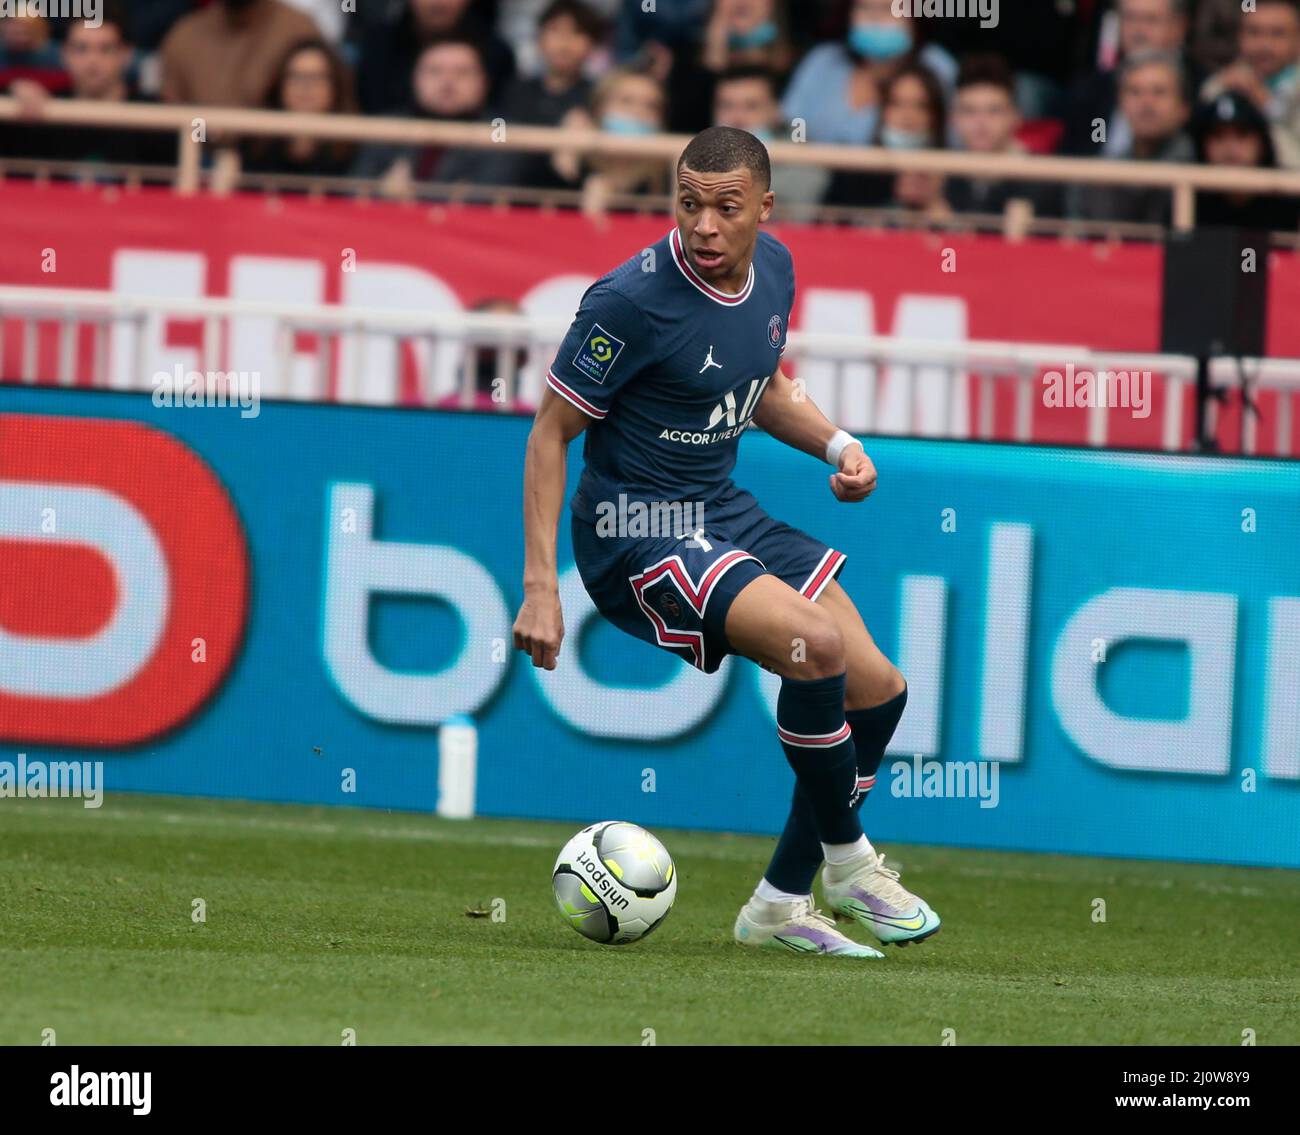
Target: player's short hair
[[587, 20], [720, 149], [604, 88]]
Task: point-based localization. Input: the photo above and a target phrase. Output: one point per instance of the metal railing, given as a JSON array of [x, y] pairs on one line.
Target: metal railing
[[197, 127], [327, 352]]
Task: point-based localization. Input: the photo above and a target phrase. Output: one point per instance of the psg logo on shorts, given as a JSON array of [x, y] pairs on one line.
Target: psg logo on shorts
[[671, 608], [774, 331]]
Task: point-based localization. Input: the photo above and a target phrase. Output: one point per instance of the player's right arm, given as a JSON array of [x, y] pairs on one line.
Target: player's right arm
[[539, 627], [607, 344]]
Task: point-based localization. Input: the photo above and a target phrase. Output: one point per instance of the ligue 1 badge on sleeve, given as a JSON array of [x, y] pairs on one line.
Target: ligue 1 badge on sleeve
[[598, 353]]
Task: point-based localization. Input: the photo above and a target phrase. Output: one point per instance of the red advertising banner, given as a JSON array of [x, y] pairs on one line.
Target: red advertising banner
[[944, 287]]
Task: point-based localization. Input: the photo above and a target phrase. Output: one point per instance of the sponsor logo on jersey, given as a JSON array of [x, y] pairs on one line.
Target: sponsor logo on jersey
[[598, 353], [730, 414]]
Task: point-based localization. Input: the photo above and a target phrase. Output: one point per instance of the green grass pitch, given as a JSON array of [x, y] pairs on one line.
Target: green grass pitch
[[323, 920]]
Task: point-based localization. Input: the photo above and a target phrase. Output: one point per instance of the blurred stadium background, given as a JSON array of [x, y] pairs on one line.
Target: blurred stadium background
[[363, 232]]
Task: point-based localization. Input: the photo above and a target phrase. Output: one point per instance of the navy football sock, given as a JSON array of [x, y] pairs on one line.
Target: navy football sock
[[798, 852], [872, 729], [818, 743]]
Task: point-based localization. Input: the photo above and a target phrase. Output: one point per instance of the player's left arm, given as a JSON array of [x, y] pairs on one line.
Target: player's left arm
[[787, 413]]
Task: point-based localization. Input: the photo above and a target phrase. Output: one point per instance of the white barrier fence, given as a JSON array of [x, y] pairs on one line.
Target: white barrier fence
[[870, 384]]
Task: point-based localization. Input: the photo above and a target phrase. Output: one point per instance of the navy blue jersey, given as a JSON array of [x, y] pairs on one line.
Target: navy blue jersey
[[671, 371]]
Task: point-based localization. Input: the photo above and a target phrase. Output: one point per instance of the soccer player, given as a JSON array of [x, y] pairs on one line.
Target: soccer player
[[670, 358]]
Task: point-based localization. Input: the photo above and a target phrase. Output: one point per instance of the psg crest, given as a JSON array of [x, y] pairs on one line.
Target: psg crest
[[774, 331], [671, 609]]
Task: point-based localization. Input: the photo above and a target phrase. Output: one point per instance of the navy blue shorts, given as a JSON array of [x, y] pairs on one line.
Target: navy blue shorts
[[674, 591]]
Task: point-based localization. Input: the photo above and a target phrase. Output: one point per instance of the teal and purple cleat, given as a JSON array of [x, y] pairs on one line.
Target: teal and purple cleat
[[796, 928], [869, 893]]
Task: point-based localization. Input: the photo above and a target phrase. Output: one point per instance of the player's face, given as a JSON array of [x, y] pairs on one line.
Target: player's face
[[718, 215]]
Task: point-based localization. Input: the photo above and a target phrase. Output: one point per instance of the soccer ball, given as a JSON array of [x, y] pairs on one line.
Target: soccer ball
[[614, 882]]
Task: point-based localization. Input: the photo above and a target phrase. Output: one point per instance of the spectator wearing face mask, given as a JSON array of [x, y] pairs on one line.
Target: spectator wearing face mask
[[1267, 71], [687, 58], [746, 98], [747, 33], [663, 40], [1231, 131], [912, 117], [837, 91], [739, 33], [228, 53], [630, 103], [1153, 98]]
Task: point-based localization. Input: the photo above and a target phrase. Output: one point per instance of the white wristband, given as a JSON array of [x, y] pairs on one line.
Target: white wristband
[[837, 445]]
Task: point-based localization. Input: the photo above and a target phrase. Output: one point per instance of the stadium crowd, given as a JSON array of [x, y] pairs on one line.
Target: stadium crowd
[[1153, 80]]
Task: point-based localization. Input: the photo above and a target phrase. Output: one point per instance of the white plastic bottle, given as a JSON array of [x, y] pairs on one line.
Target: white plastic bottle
[[457, 768]]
